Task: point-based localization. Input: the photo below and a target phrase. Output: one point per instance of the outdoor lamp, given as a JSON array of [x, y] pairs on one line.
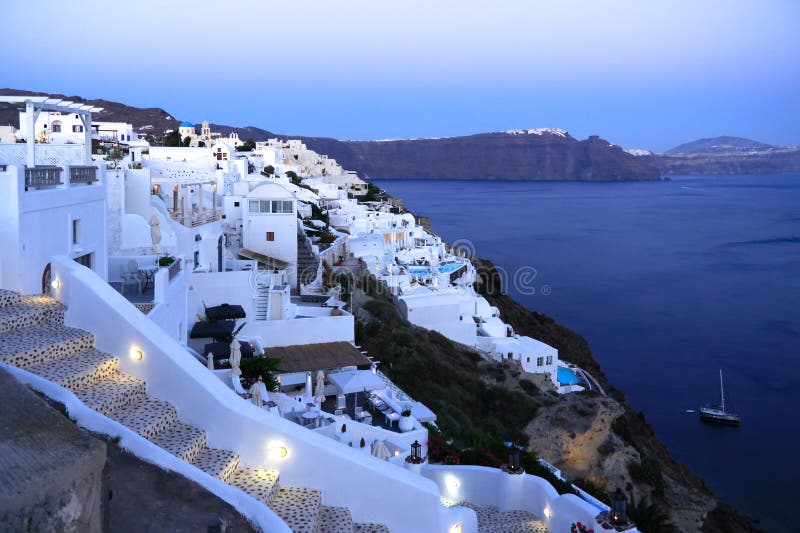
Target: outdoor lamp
[[416, 451], [513, 458], [56, 284], [155, 189], [619, 507], [136, 354]]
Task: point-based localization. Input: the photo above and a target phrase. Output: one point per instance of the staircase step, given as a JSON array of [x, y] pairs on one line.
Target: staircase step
[[26, 347], [79, 369], [8, 297], [259, 483], [369, 527], [30, 311], [106, 395], [218, 463], [335, 520], [298, 507], [146, 415], [181, 440]]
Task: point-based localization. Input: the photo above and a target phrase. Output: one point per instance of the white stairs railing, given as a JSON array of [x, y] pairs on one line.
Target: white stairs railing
[[260, 284]]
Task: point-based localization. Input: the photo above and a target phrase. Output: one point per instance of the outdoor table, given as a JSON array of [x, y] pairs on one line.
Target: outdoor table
[[224, 312], [392, 417], [147, 272], [310, 415]]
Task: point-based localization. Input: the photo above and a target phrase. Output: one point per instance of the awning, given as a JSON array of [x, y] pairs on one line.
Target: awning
[[356, 381], [321, 356], [269, 262]]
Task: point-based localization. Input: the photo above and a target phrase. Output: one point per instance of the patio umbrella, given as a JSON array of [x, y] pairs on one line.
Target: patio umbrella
[[210, 361], [155, 233], [356, 381], [255, 391], [236, 357], [308, 391], [320, 389], [380, 450]]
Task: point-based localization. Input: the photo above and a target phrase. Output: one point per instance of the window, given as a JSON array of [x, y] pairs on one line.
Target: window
[[287, 206], [270, 236], [77, 128], [235, 204], [540, 361], [510, 355], [549, 359], [266, 207], [76, 225], [56, 127], [529, 359], [253, 206]]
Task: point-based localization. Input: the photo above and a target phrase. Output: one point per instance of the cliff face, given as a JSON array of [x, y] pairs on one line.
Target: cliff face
[[544, 156], [775, 161]]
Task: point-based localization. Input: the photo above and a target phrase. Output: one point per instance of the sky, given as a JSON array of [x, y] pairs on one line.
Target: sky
[[642, 74]]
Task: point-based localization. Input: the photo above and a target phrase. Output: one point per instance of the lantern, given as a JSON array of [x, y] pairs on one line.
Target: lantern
[[619, 507], [416, 452], [513, 458]]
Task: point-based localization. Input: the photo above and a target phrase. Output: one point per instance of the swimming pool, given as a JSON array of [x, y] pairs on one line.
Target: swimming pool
[[445, 268], [567, 377]]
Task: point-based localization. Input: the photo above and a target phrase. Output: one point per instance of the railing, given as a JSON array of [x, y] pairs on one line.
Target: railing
[[174, 268], [196, 218], [42, 176], [82, 174]]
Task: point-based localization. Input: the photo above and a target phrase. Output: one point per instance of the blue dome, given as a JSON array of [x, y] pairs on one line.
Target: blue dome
[[186, 125]]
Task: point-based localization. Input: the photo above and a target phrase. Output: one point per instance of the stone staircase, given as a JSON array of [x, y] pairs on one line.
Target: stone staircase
[[307, 262], [33, 337], [492, 520]]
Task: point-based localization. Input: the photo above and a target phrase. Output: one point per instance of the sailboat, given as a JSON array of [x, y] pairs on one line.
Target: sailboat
[[716, 414]]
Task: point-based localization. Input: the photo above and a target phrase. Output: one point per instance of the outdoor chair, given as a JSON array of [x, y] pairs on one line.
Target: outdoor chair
[[129, 278]]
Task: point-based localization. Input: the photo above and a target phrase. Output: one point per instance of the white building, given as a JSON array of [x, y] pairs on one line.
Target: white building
[[53, 200]]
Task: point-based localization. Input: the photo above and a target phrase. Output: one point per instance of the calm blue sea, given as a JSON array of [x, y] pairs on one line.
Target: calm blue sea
[[669, 282]]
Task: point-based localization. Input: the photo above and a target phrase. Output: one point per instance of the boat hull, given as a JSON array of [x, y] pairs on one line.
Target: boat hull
[[724, 419]]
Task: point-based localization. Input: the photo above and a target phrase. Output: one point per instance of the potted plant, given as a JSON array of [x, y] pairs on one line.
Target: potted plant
[[406, 423], [165, 260]]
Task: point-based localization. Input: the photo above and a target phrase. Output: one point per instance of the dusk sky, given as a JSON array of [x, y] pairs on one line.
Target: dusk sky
[[640, 74]]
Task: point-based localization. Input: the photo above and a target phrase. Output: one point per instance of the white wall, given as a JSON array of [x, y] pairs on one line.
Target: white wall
[[204, 401], [43, 227], [484, 486]]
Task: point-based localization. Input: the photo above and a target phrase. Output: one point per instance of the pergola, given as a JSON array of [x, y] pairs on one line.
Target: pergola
[[36, 104]]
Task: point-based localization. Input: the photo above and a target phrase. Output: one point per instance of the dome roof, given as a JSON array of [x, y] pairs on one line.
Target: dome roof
[[186, 125]]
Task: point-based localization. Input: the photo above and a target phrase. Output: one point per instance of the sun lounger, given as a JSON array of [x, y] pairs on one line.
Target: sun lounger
[[217, 330], [224, 312]]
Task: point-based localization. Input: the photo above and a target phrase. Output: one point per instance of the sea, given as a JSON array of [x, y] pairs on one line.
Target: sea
[[670, 282]]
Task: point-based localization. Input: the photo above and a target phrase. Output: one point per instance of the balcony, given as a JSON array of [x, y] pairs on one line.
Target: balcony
[[42, 176], [196, 217], [82, 174]]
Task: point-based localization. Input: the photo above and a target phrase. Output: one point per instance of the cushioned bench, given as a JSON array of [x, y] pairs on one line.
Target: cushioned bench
[[224, 312], [222, 350], [218, 330]]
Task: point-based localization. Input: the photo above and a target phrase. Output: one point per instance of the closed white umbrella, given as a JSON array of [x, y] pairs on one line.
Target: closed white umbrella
[[308, 391], [255, 391], [380, 450], [235, 359], [210, 361], [155, 233], [320, 397]]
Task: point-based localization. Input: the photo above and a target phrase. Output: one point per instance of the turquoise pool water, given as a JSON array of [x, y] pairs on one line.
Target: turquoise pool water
[[446, 268], [567, 376]]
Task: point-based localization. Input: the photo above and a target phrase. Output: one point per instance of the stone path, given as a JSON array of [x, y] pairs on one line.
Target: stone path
[[491, 520], [33, 337]]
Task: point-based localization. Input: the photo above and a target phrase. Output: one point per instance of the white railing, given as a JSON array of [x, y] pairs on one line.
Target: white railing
[[60, 155]]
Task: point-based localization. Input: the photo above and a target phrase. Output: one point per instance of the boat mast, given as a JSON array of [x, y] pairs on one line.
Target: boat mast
[[722, 390]]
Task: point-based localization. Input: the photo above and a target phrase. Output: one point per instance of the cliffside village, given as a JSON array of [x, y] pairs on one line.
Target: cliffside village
[[148, 288]]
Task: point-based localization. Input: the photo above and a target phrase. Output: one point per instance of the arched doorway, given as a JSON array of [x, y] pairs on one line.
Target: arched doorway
[[47, 276]]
